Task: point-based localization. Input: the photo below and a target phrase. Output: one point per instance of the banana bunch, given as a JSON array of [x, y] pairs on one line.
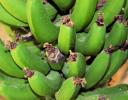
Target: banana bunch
[[62, 49]]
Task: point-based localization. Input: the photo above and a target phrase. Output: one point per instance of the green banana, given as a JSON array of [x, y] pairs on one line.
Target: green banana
[[9, 19], [44, 85], [116, 96], [80, 41], [17, 8], [95, 38], [64, 4], [69, 89], [126, 10], [7, 33], [110, 10], [25, 58], [117, 59], [66, 38], [120, 37], [21, 90], [52, 12], [42, 28], [97, 69], [7, 64], [75, 65], [54, 57], [107, 90], [83, 12]]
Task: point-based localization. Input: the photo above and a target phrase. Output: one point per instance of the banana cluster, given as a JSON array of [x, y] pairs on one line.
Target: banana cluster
[[62, 49]]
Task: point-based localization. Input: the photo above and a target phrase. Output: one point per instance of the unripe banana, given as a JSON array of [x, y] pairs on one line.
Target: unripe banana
[[69, 89], [66, 38], [25, 58], [110, 10], [117, 59], [52, 12], [16, 89], [107, 90], [7, 64], [119, 38], [64, 4], [54, 56], [9, 19], [126, 10], [95, 38], [83, 13], [17, 8], [42, 28], [75, 65], [44, 85], [80, 41], [97, 69]]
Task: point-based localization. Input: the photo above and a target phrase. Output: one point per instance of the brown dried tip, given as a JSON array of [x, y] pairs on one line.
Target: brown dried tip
[[67, 21], [126, 23], [79, 81], [101, 97], [72, 56], [100, 4], [53, 54], [10, 45], [124, 46], [100, 19], [110, 49], [45, 1], [28, 73], [120, 18]]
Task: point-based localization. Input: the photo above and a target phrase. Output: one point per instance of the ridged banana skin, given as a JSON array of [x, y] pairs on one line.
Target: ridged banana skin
[[64, 4], [117, 36], [51, 10], [25, 58], [9, 19], [95, 40], [75, 68], [7, 64], [17, 8], [66, 39], [39, 22], [80, 41], [107, 90], [83, 13], [68, 90], [110, 10], [97, 69], [16, 89], [117, 59], [45, 86]]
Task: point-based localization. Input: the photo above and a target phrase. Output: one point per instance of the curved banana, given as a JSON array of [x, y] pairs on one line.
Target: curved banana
[[97, 69], [54, 56], [117, 59], [9, 19], [126, 10], [66, 38], [64, 4], [95, 38], [7, 64], [42, 28], [83, 13], [69, 89], [25, 58], [110, 10], [80, 41], [17, 8], [21, 90], [75, 65], [119, 38], [44, 85]]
